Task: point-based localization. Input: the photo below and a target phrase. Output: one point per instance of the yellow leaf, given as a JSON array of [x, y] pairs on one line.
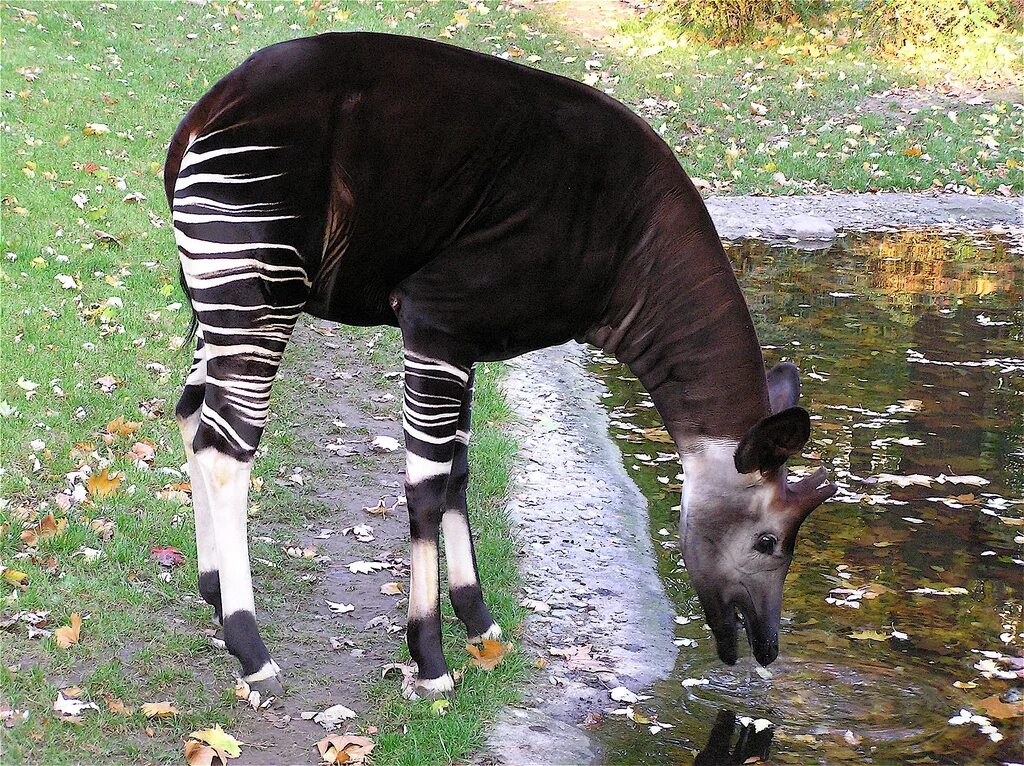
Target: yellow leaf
[[913, 151], [116, 706], [344, 748], [14, 577], [198, 754], [219, 739], [489, 655], [870, 635], [69, 634], [158, 710], [440, 707], [103, 484], [95, 129]]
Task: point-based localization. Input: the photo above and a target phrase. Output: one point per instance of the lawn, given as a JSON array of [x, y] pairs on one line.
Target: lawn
[[94, 349]]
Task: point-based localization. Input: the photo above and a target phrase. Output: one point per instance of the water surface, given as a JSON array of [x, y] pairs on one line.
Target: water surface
[[911, 348]]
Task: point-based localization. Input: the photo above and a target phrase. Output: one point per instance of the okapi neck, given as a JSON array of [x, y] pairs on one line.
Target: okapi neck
[[682, 326]]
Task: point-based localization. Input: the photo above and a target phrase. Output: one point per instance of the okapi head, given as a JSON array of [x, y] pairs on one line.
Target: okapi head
[[740, 519]]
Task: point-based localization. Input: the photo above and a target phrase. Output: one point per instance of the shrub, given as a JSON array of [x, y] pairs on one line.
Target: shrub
[[941, 23], [734, 20]]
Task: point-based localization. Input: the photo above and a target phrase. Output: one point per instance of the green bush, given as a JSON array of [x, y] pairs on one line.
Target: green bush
[[734, 20], [941, 23]]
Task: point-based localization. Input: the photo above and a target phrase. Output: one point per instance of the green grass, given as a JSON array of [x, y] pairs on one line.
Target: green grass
[[88, 211], [134, 69], [831, 120]]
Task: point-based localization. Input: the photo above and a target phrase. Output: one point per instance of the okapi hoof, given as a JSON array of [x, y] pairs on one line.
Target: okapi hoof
[[435, 688], [493, 633], [216, 637], [268, 687]]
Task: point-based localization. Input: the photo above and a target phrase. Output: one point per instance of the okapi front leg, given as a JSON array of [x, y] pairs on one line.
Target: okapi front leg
[[433, 397], [460, 555]]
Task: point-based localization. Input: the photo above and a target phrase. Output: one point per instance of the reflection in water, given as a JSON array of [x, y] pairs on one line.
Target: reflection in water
[[753, 745], [903, 604]]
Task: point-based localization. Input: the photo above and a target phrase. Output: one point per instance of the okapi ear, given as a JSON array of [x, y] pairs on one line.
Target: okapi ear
[[783, 386], [768, 444]]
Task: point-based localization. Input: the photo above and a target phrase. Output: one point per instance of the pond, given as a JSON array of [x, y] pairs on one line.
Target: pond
[[903, 605]]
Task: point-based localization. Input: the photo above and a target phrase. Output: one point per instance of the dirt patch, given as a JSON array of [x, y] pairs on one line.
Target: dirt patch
[[901, 104], [592, 20], [341, 386]]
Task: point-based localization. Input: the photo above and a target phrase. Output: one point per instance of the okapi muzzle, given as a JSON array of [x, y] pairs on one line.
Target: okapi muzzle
[[740, 521]]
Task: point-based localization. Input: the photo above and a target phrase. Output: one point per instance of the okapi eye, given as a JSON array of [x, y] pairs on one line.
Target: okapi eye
[[766, 544]]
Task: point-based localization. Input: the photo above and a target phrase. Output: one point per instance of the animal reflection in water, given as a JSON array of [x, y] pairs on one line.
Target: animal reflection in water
[[754, 742]]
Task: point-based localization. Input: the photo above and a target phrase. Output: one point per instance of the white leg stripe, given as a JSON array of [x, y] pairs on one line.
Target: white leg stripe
[[267, 671], [419, 468], [437, 685], [227, 483], [458, 551], [493, 633], [423, 589]]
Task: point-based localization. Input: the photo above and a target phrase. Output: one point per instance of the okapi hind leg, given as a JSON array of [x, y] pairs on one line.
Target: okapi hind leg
[[434, 391], [459, 551], [187, 413]]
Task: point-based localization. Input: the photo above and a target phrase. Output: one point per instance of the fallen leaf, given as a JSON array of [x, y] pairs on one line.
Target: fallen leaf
[[540, 607], [103, 483], [996, 708], [339, 608], [345, 748], [385, 443], [69, 634], [122, 427], [489, 654], [115, 705], [366, 567], [167, 556], [331, 717], [14, 577], [198, 754], [70, 710], [158, 710], [219, 739], [440, 707], [870, 635], [578, 658], [392, 589], [48, 527]]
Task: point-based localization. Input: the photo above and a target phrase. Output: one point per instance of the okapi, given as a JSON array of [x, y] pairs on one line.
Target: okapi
[[486, 209]]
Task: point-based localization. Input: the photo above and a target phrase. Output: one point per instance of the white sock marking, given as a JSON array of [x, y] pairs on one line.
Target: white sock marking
[[227, 484], [423, 589], [419, 468], [458, 550]]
